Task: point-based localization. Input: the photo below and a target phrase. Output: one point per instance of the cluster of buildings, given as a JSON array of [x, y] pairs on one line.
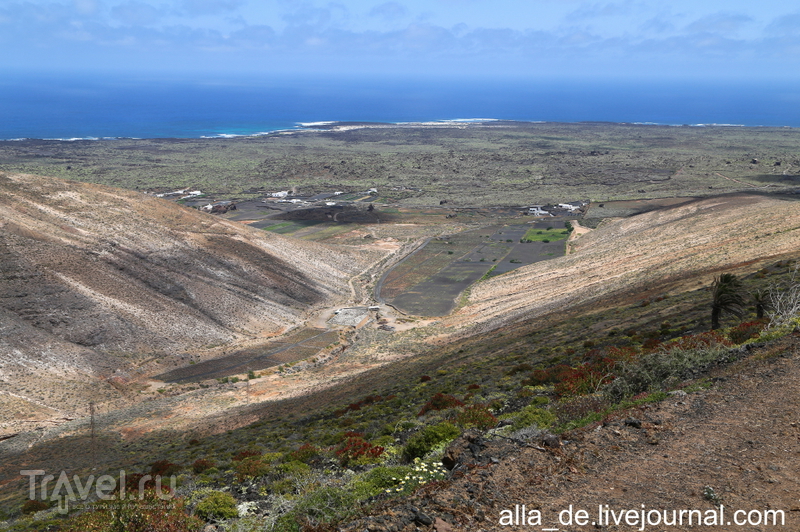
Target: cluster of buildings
[[573, 208]]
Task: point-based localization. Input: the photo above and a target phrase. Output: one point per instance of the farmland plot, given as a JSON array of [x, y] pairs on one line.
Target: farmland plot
[[430, 280], [298, 346]]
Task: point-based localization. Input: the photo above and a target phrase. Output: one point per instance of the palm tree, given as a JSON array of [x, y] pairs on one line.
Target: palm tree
[[761, 299], [727, 297]]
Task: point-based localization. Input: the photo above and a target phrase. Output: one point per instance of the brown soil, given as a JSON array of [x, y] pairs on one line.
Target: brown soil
[[736, 444]]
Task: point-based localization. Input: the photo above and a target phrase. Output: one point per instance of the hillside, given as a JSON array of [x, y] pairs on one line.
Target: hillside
[[733, 444], [670, 250], [320, 445], [96, 281]]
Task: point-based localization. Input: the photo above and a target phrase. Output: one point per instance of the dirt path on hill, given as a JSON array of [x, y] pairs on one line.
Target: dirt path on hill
[[735, 180], [577, 231], [736, 444]]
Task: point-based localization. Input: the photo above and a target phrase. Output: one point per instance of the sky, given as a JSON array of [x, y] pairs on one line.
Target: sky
[[697, 39]]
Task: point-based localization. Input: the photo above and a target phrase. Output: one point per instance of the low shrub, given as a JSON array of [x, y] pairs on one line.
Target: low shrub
[[519, 368], [439, 401], [532, 415], [672, 362], [217, 505], [32, 506], [379, 480], [251, 467], [550, 375], [745, 331], [421, 474], [202, 465], [294, 469], [477, 416], [247, 453], [305, 453], [149, 514], [578, 408], [328, 504], [356, 450], [429, 438], [164, 468]]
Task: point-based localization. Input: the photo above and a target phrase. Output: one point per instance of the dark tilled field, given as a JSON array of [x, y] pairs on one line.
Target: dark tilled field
[[437, 295], [298, 346], [429, 282]]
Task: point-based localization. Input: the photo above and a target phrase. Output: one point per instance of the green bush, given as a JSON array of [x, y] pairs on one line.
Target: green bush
[[201, 465], [251, 467], [670, 364], [428, 438], [378, 479], [217, 505], [477, 416], [294, 469], [328, 504], [532, 415]]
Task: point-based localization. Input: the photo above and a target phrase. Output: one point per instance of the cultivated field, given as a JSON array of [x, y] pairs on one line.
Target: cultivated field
[[291, 348], [429, 281]]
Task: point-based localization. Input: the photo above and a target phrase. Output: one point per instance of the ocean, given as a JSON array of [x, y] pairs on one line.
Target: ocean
[[91, 106]]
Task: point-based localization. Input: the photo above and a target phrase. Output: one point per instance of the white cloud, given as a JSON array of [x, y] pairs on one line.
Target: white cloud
[[720, 23], [588, 11], [86, 7], [785, 26], [210, 7], [136, 13], [389, 11]]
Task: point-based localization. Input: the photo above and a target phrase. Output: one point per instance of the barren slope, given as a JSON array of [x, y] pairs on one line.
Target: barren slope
[[652, 253], [93, 279]]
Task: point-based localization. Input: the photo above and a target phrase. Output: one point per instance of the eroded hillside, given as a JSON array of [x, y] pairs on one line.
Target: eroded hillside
[[94, 280], [673, 249]]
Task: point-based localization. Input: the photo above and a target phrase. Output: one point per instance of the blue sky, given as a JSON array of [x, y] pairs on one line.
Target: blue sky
[[719, 39]]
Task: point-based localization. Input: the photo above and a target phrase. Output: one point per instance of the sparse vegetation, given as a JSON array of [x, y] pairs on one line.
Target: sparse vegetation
[[314, 462]]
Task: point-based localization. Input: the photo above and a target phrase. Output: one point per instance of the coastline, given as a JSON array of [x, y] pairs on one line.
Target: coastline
[[332, 126]]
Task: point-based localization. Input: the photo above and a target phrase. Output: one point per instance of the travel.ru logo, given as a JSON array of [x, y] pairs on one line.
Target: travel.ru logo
[[66, 491]]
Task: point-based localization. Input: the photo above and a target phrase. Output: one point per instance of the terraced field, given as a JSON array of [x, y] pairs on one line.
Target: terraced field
[[303, 344], [429, 281]]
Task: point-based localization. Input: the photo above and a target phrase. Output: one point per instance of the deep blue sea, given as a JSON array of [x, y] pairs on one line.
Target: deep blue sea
[[91, 106]]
